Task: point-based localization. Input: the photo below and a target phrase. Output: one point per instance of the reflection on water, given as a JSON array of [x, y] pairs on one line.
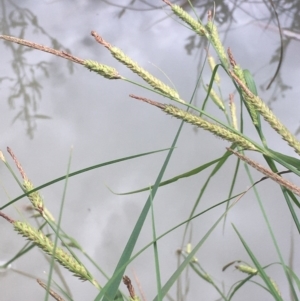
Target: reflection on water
[[24, 82], [24, 85], [94, 121]]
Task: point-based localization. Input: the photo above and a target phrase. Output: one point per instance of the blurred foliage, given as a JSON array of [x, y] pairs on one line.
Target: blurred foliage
[[225, 13], [26, 89], [24, 85]]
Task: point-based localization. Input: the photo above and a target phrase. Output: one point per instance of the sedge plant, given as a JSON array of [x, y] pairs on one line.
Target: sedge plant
[[240, 146]]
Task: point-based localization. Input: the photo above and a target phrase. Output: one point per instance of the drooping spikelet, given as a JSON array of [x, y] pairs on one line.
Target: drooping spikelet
[[246, 269], [253, 271]]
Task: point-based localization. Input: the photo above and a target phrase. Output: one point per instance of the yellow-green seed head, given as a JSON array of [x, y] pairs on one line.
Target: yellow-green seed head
[[213, 128], [188, 248], [268, 115], [247, 269], [184, 16], [34, 235], [2, 157], [145, 75], [233, 115], [238, 71], [34, 197], [104, 70], [212, 64], [216, 42], [275, 286], [215, 98], [43, 242]]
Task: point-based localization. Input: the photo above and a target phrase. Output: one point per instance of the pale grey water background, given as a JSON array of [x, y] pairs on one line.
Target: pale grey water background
[[102, 123]]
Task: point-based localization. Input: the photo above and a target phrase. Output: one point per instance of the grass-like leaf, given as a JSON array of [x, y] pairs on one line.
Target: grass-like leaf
[[260, 269], [110, 289], [72, 174], [174, 179]]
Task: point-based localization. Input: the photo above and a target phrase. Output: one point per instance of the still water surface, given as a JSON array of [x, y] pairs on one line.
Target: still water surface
[[63, 108]]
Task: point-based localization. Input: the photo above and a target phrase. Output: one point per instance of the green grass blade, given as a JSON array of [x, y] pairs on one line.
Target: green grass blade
[[237, 286], [156, 257], [190, 257], [288, 159], [222, 161], [110, 289], [233, 182], [174, 179], [287, 195], [58, 230], [260, 269], [273, 167], [202, 274], [163, 235], [294, 276], [72, 174]]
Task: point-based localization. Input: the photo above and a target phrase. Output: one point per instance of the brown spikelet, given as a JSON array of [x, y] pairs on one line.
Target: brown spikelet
[[40, 47], [267, 172], [18, 164], [127, 282], [55, 295]]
